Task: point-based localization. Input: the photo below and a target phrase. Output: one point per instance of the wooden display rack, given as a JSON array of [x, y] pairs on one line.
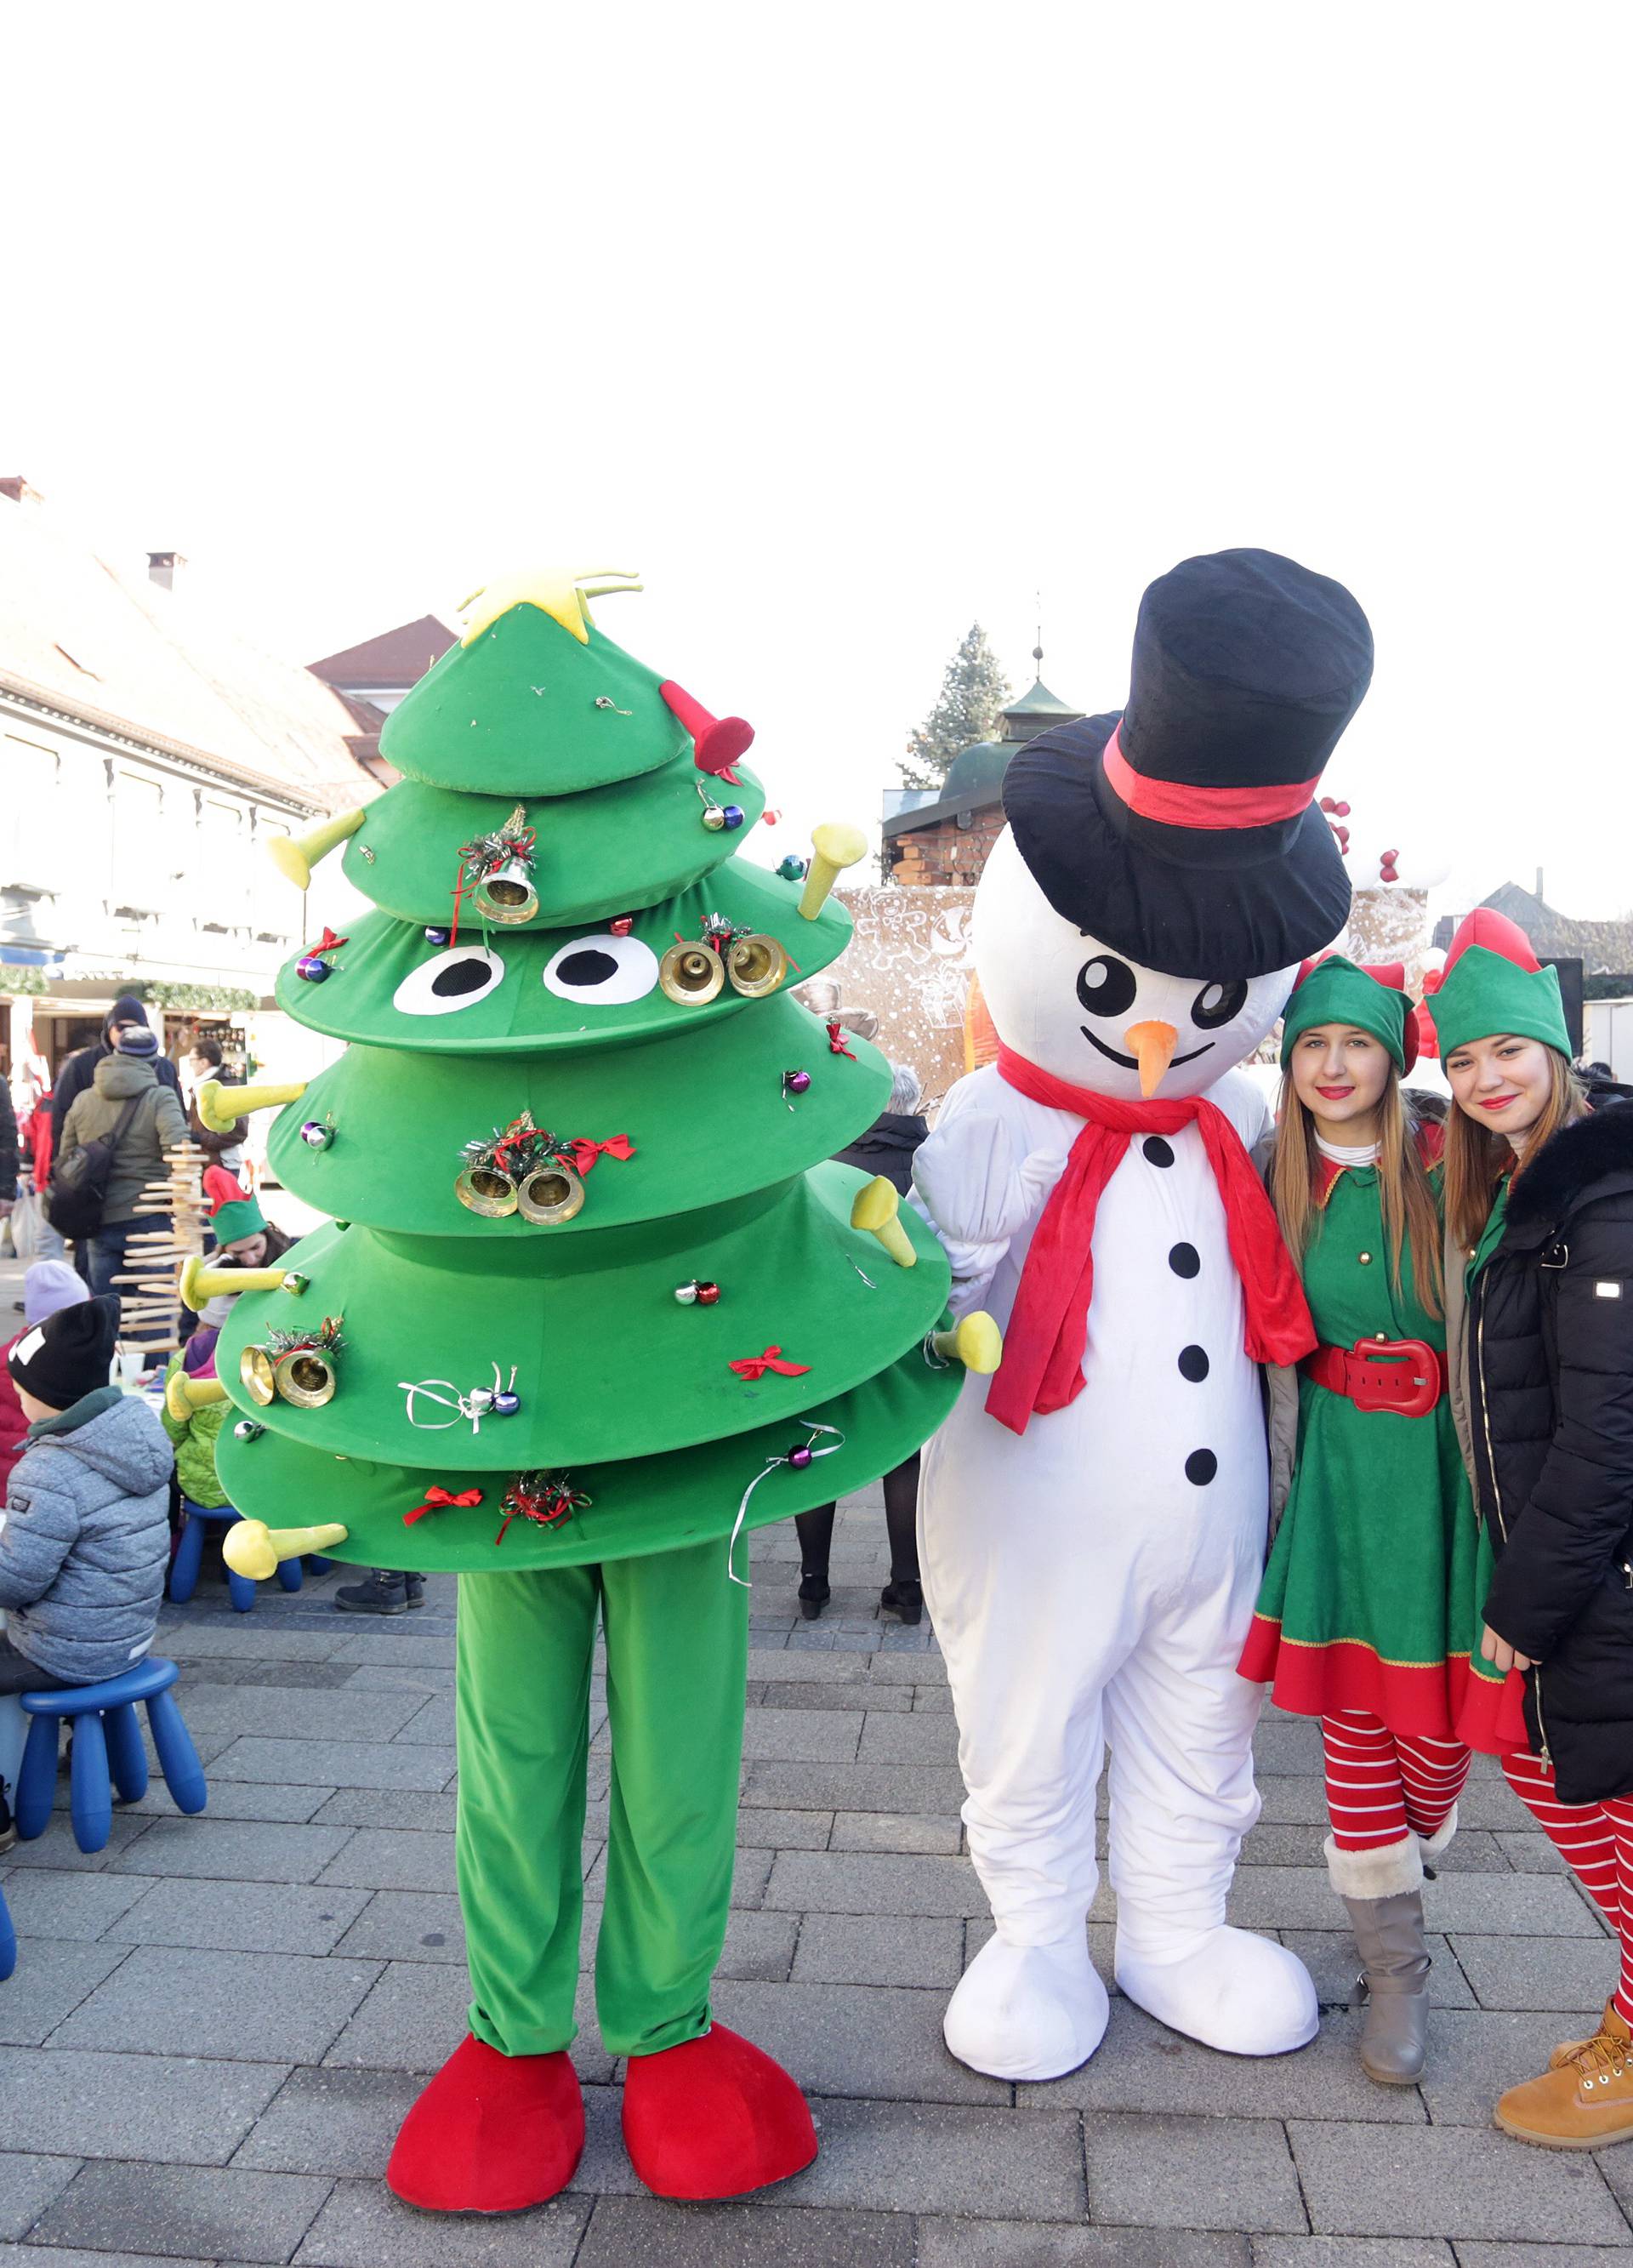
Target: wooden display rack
[[150, 1308]]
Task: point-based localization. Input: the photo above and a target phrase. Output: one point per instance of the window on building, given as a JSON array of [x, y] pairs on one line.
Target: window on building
[[30, 804]]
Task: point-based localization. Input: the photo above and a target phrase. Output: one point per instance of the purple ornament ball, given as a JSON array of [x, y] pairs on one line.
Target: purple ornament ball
[[796, 1081], [800, 1458]]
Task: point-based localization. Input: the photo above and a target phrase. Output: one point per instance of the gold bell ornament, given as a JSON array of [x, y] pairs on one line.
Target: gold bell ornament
[[692, 975], [497, 868], [295, 1367]]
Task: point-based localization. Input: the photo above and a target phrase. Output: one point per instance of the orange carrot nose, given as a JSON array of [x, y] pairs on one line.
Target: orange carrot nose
[[1153, 1047]]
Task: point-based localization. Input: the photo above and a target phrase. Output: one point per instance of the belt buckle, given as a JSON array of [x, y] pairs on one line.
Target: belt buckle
[[1383, 1367]]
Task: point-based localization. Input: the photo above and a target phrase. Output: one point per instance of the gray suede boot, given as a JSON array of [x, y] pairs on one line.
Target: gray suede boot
[[1383, 1891], [1394, 1970]]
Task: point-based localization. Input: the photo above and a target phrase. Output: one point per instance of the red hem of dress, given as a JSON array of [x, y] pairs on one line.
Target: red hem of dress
[[1430, 1701]]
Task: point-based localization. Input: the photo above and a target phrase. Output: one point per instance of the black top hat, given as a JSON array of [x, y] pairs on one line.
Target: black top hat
[[1185, 832]]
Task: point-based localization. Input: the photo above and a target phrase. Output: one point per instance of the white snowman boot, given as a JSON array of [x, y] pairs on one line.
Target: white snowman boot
[[1028, 2011], [1223, 1986]]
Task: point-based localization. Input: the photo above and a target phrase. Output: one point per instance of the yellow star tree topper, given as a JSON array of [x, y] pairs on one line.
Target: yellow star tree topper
[[558, 591]]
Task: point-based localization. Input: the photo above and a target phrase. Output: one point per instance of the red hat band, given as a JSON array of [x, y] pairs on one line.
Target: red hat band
[[1182, 803]]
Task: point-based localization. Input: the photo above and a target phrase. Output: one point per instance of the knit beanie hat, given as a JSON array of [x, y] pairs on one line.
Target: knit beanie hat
[[1368, 995], [136, 1040], [198, 1356], [126, 1010], [50, 1284], [1494, 982], [69, 1355], [233, 1211]]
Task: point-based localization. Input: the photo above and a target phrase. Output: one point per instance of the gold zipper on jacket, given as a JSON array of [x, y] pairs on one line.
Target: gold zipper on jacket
[[1485, 1424], [1496, 1501]]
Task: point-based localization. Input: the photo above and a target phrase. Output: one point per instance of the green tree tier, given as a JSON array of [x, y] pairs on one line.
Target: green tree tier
[[521, 992], [620, 1386]]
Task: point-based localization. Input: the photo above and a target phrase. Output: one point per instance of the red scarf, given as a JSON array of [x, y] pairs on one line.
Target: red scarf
[[1042, 1365]]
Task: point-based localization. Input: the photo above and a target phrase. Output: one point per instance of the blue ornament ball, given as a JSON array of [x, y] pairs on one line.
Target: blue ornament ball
[[793, 869], [506, 1405], [437, 936], [732, 816], [313, 969]]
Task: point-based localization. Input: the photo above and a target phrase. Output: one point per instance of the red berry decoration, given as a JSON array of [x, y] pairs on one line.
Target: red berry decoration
[[1343, 810], [1326, 803]]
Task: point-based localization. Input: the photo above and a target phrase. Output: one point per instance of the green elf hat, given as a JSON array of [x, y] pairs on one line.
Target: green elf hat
[[1494, 982], [1370, 996], [233, 1211]]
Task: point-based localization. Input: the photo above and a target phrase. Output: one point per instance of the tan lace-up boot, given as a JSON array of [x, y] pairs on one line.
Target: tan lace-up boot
[[1584, 2105]]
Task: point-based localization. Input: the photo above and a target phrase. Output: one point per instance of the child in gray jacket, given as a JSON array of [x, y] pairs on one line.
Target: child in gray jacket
[[84, 1537]]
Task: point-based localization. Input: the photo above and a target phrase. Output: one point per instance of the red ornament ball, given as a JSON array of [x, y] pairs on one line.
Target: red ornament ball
[[622, 926], [709, 1295]]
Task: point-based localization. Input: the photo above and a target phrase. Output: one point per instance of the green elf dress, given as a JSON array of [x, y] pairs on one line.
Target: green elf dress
[[1367, 1599]]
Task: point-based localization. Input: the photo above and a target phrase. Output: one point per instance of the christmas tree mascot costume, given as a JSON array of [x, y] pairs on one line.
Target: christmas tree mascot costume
[[589, 1307], [1093, 1518]]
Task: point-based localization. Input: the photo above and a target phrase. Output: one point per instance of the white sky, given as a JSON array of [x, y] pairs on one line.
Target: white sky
[[847, 325]]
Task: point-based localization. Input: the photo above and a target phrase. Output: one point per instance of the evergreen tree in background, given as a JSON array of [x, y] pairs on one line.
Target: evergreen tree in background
[[974, 690]]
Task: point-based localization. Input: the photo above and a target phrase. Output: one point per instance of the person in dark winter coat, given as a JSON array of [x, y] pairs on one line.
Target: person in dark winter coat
[[8, 1151], [129, 1075], [1540, 1221], [887, 1148], [79, 1070]]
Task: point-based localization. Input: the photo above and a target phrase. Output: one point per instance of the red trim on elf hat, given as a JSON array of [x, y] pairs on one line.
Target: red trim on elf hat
[[718, 741], [1180, 803], [1485, 926]]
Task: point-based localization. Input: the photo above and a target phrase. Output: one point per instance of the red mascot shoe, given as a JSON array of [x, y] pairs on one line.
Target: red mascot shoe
[[491, 2133], [714, 2117]]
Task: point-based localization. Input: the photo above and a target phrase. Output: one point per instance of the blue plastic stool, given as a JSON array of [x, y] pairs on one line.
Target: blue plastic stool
[[190, 1551], [108, 1740], [8, 1941]]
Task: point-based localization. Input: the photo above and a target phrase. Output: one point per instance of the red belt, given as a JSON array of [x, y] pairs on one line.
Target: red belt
[[1406, 1376]]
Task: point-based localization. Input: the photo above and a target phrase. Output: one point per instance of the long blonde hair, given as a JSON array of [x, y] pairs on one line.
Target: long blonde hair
[[1476, 1156], [1408, 1201]]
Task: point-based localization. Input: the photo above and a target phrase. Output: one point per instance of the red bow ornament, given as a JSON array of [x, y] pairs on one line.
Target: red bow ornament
[[438, 1499], [585, 1152], [835, 1044], [751, 1366], [328, 942]]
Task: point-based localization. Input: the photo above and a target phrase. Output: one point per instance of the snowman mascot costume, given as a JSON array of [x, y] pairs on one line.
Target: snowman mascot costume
[[1094, 1517]]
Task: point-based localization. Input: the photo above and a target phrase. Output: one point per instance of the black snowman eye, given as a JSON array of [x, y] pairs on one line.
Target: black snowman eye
[[1218, 1003], [606, 971], [1106, 986], [449, 981]]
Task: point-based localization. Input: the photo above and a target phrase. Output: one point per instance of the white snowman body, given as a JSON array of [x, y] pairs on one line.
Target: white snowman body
[[1092, 1579]]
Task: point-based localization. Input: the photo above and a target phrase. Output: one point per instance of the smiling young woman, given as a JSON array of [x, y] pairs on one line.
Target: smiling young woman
[[1365, 1616], [1540, 1269]]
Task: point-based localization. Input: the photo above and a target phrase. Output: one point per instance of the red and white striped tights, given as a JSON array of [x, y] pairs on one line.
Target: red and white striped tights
[[1381, 1786], [1596, 1842]]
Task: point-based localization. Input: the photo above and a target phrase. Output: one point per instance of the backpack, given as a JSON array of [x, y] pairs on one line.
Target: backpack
[[79, 1186]]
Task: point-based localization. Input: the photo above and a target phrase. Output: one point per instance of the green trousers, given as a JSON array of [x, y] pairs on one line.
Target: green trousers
[[677, 1658]]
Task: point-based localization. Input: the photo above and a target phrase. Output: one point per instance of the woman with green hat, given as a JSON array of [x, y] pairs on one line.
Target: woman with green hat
[[1362, 1615], [1540, 1254]]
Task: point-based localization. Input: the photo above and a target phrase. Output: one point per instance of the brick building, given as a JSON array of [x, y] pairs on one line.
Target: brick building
[[940, 838]]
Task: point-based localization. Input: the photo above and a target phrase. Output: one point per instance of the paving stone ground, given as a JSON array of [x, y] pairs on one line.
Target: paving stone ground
[[217, 2023]]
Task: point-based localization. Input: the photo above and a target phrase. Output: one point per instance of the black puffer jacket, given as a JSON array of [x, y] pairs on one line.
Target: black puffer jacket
[[888, 1148], [1550, 1373]]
